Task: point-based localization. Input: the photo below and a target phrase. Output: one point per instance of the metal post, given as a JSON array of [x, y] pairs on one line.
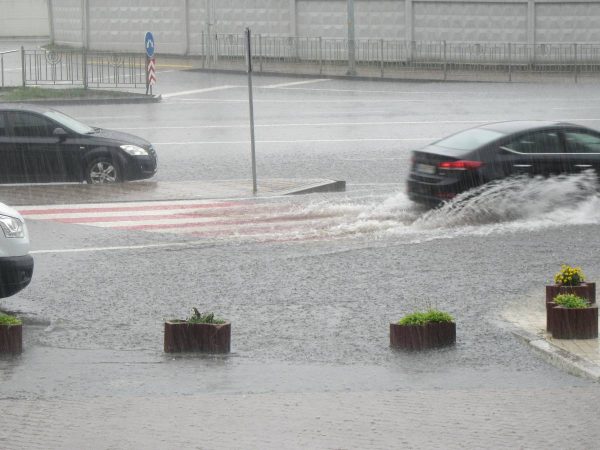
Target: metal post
[[203, 50], [2, 68], [445, 63], [509, 62], [381, 52], [260, 52], [575, 62], [147, 75], [84, 68], [320, 55], [23, 69], [351, 42], [251, 103]]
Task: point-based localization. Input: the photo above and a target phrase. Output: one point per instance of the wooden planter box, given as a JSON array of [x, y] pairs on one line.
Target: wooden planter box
[[585, 290], [11, 339], [575, 323], [181, 336], [419, 337], [549, 317]]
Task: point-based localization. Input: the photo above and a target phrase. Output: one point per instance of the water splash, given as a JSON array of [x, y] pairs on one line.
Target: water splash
[[560, 199], [520, 203]]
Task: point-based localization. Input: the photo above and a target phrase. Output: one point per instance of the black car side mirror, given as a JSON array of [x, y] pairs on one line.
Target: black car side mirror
[[60, 133]]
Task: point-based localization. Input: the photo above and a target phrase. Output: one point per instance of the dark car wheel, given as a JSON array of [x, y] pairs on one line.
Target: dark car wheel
[[102, 171]]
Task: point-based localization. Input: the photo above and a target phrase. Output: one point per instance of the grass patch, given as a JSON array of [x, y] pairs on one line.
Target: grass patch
[[5, 319], [39, 93], [422, 318], [571, 301]]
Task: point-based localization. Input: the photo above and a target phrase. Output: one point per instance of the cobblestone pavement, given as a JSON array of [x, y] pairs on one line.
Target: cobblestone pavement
[[532, 418]]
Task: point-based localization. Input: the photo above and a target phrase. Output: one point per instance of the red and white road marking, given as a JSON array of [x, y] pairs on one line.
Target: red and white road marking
[[221, 219]]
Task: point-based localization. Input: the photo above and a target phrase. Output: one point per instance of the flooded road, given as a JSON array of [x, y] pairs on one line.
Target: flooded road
[[310, 283]]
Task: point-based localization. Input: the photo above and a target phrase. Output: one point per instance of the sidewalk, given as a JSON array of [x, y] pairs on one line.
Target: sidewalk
[[577, 356]]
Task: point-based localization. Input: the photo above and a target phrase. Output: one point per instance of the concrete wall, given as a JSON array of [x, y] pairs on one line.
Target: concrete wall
[[182, 26], [24, 18]]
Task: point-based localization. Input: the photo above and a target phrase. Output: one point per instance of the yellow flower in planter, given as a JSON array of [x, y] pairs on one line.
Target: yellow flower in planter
[[569, 276]]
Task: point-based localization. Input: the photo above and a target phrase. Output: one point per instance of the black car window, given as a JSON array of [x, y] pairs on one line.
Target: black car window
[[537, 142], [469, 139], [582, 142], [30, 125], [2, 125]]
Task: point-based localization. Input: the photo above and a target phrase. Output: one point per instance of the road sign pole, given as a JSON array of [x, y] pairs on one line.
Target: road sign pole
[[150, 68], [147, 76], [251, 102]]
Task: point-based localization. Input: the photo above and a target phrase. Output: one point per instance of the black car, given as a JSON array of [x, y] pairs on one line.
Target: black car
[[40, 145], [490, 152]]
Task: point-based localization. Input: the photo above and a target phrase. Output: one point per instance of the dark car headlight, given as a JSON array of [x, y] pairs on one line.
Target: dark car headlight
[[134, 150]]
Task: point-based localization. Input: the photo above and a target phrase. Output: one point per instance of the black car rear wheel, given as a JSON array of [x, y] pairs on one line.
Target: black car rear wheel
[[102, 171]]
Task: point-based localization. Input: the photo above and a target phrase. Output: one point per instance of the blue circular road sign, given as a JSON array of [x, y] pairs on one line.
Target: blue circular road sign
[[149, 43]]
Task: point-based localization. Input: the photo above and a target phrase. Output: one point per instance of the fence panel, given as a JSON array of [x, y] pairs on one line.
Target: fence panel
[[81, 68]]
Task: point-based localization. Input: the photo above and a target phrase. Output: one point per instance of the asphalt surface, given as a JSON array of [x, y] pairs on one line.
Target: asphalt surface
[[310, 306]]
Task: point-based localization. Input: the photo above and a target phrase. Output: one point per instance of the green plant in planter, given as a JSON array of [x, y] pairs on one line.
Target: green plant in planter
[[569, 276], [198, 317], [571, 301], [6, 319], [422, 318]]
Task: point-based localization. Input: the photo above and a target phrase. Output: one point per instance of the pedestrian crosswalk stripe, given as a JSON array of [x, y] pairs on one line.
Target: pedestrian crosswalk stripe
[[207, 219]]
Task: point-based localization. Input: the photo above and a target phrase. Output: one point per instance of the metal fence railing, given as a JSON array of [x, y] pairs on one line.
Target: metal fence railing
[[83, 68], [321, 56], [387, 58]]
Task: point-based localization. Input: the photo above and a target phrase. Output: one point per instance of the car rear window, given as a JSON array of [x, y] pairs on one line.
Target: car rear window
[[470, 139]]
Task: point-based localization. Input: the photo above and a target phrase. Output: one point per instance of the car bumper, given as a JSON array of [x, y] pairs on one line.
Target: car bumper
[[430, 194], [15, 274], [139, 168]]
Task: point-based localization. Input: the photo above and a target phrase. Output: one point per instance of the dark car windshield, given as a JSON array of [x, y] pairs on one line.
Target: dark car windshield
[[69, 122], [470, 139]]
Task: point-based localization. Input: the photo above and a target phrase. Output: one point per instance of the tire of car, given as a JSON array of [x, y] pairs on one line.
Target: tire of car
[[102, 170]]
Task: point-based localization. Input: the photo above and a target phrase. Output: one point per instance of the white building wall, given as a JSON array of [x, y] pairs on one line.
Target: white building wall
[[179, 25], [198, 25], [269, 17], [380, 19], [67, 22], [373, 19], [319, 18], [470, 21], [20, 18], [121, 25], [579, 22]]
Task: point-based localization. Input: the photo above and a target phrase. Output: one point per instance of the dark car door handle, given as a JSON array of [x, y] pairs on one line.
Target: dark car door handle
[[583, 166]]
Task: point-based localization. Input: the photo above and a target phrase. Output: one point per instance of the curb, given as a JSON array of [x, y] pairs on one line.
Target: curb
[[332, 186], [93, 101], [560, 358]]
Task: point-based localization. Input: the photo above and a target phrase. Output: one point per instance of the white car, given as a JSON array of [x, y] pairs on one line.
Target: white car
[[16, 264]]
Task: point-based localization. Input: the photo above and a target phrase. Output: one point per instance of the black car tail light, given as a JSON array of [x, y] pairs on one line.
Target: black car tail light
[[460, 165]]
